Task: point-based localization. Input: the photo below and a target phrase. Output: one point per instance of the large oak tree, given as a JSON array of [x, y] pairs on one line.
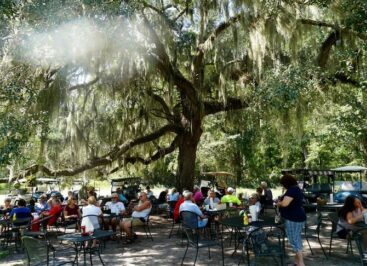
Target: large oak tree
[[109, 83]]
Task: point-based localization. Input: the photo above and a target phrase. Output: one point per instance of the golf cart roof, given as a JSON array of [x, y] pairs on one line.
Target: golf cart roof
[[309, 172], [351, 169], [47, 180], [126, 180]]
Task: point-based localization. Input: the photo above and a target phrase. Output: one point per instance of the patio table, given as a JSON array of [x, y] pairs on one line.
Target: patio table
[[236, 223], [78, 240]]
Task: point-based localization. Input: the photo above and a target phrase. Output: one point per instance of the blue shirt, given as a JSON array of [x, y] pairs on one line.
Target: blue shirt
[[20, 213], [40, 207], [187, 205], [294, 211], [174, 196], [122, 198]]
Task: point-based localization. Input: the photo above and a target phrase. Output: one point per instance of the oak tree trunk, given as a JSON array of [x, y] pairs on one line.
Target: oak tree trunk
[[187, 148]]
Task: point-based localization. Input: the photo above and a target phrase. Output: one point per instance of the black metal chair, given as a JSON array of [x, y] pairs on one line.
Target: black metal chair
[[197, 237], [266, 241], [359, 238], [334, 218], [17, 226], [312, 230], [170, 210], [40, 252], [145, 225]]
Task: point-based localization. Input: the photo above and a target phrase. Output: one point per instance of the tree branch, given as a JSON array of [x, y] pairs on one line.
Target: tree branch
[[160, 153], [84, 85], [231, 104], [326, 48], [162, 102], [106, 159], [170, 73], [333, 26]]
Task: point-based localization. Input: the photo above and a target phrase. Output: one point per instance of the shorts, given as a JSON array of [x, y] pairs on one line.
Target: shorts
[[294, 232], [135, 221]]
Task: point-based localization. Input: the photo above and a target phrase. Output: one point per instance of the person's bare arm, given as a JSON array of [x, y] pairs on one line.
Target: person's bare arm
[[285, 202], [143, 206], [352, 220]]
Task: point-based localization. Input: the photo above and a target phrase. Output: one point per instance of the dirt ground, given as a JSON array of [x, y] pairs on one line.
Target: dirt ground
[[165, 251]]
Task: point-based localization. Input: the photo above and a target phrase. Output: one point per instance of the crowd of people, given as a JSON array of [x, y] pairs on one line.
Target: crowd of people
[[89, 212], [125, 215]]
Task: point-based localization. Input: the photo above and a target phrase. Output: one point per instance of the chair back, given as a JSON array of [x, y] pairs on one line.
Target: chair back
[[90, 221], [21, 222], [37, 250], [189, 219], [359, 238]]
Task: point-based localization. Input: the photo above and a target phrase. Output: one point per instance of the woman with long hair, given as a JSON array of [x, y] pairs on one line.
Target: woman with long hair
[[293, 214], [351, 213]]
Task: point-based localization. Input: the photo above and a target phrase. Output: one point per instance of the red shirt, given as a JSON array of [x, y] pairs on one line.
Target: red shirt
[[72, 211], [176, 211], [55, 214]]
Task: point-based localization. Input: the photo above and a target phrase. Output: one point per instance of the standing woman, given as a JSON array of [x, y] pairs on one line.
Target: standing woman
[[294, 216]]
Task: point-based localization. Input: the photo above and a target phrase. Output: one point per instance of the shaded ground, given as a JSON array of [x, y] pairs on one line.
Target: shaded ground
[[164, 251]]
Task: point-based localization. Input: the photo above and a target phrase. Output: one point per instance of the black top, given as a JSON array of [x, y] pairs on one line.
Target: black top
[[294, 211], [162, 197]]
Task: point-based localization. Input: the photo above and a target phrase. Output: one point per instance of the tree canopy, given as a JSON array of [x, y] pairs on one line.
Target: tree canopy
[[172, 88]]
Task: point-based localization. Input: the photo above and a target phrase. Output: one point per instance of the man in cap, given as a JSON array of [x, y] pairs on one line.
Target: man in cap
[[230, 197], [42, 204]]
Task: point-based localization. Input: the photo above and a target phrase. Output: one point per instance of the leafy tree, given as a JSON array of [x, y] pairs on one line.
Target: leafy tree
[[133, 81]]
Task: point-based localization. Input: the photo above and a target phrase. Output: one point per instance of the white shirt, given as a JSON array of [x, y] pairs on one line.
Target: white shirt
[[91, 210], [116, 207]]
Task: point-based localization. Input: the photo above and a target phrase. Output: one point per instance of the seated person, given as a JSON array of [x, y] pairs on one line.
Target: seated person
[[254, 200], [211, 199], [21, 212], [42, 205], [189, 205], [53, 213], [7, 207], [174, 195], [267, 194], [92, 212], [117, 209], [162, 199], [198, 195], [90, 217], [176, 211], [149, 192], [72, 211], [351, 213], [230, 197], [32, 205], [121, 195], [69, 196], [140, 212]]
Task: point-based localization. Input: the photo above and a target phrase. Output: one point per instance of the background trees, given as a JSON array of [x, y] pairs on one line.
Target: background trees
[[182, 86]]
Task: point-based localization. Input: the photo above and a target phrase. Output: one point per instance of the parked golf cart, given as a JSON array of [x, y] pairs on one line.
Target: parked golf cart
[[218, 181], [130, 186], [315, 184], [347, 186]]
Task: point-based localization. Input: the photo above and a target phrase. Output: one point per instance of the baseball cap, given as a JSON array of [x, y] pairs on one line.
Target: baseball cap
[[230, 189]]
